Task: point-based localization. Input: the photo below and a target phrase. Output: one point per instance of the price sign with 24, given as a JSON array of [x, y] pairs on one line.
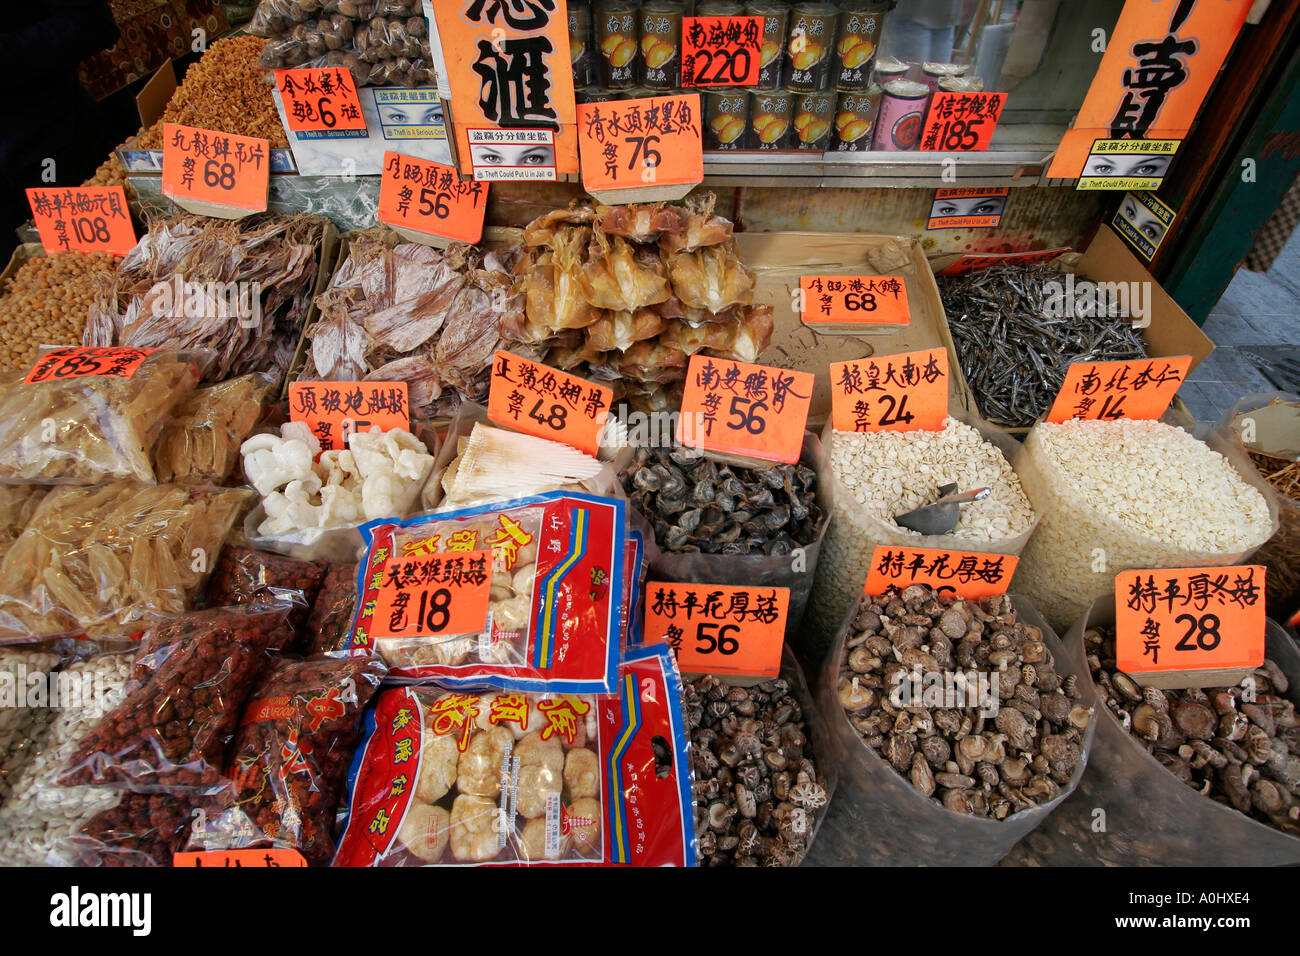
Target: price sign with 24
[[891, 393]]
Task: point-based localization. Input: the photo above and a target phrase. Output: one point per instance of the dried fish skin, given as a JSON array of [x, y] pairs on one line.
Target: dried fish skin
[[712, 278], [201, 440], [619, 331], [751, 336], [541, 231], [614, 278]]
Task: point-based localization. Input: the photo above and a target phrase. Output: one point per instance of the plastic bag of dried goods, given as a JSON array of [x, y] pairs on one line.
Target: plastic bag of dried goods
[[1273, 450], [469, 778], [879, 475], [330, 621], [39, 813], [1130, 494], [550, 569], [290, 757], [634, 575], [245, 576], [170, 732], [201, 440], [963, 769], [25, 709], [87, 415], [17, 505], [111, 559], [763, 527], [137, 829], [273, 18], [757, 802], [1131, 809]]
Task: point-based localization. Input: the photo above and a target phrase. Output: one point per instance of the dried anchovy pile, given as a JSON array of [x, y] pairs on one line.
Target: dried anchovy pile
[[1022, 757], [698, 506], [1013, 355], [756, 787], [1245, 754]]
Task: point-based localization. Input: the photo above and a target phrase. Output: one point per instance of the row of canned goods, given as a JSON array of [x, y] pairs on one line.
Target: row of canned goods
[[804, 47]]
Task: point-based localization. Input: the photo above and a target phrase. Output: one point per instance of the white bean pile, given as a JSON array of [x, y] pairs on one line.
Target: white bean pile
[[20, 725]]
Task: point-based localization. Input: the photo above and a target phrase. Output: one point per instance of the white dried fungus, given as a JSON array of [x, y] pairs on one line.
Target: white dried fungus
[[1128, 494]]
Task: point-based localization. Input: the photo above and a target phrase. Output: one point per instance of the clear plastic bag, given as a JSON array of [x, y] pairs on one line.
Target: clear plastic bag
[[880, 819], [111, 559], [93, 428], [331, 617], [201, 440], [1149, 817], [21, 726], [17, 505], [170, 732], [273, 18], [138, 829], [245, 576]]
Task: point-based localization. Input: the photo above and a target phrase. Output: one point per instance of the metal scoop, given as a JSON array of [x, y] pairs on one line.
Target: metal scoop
[[941, 516]]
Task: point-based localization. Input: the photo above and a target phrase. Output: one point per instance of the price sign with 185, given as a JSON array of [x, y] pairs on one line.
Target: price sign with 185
[[961, 122]]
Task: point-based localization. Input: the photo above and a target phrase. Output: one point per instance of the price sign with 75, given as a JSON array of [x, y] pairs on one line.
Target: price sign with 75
[[206, 166], [719, 629]]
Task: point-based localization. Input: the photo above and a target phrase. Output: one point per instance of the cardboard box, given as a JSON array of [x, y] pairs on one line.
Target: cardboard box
[[1108, 259]]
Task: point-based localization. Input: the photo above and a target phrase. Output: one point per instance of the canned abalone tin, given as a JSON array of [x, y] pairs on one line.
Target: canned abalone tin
[[855, 119], [661, 44], [771, 116], [902, 111], [726, 115], [616, 39], [814, 117], [771, 55], [812, 37], [580, 51], [855, 50]]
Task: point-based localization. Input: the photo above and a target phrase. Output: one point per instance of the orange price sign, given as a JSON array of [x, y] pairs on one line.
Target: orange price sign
[[961, 122], [320, 99], [79, 361], [221, 169], [85, 219], [631, 144], [967, 574], [258, 858], [854, 300], [539, 400], [1105, 391], [742, 409], [431, 595], [718, 629], [971, 263], [891, 393], [335, 410], [1192, 620], [719, 51], [431, 198]]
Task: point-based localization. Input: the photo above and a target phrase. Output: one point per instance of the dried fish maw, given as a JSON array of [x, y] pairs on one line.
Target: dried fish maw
[[641, 222], [701, 228], [691, 340], [729, 316], [652, 362], [670, 308], [618, 331], [542, 230], [615, 278], [712, 278], [201, 441], [750, 337]]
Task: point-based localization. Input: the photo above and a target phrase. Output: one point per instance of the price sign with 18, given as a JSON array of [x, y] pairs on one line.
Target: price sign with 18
[[891, 393], [716, 628], [743, 409], [434, 595], [545, 402]]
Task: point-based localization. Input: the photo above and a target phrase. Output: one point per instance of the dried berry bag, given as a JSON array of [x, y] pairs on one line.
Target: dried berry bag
[[140, 829], [245, 576], [464, 778], [330, 621], [523, 594], [290, 758], [171, 731]]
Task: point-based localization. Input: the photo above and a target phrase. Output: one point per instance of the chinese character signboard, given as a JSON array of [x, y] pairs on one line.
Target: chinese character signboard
[[721, 51], [80, 361], [1159, 63], [967, 574], [250, 858], [86, 219], [1143, 220], [1189, 627], [336, 410], [499, 154], [539, 400], [830, 302], [319, 100], [426, 200], [961, 122], [891, 393], [635, 144], [215, 174], [741, 409], [508, 67], [431, 594], [716, 629], [1104, 391]]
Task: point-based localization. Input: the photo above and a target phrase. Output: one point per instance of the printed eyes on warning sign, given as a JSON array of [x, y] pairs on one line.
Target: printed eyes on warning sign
[[1148, 167], [414, 116], [511, 155]]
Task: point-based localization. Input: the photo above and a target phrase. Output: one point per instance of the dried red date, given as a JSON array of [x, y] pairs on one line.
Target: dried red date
[[245, 576], [331, 615], [171, 730], [144, 829]]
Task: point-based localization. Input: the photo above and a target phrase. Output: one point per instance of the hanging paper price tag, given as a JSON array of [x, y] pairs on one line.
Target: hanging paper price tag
[[967, 574], [430, 595], [1189, 627], [212, 173], [718, 51], [717, 629], [639, 144], [1105, 391], [833, 303], [255, 858], [318, 99], [539, 400], [961, 122], [85, 219], [891, 393], [336, 410], [430, 200], [79, 361], [742, 409]]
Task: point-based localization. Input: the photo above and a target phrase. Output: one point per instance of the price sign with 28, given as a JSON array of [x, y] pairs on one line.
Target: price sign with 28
[[320, 100], [718, 629], [742, 409], [891, 393], [205, 166], [431, 595], [961, 122], [539, 400], [634, 143], [431, 198], [86, 219], [721, 51], [854, 300], [1189, 619], [1105, 391]]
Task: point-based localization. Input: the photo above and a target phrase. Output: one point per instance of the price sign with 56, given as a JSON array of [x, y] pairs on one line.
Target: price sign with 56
[[431, 198], [718, 629], [743, 409], [319, 99], [434, 595], [222, 169], [961, 122]]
